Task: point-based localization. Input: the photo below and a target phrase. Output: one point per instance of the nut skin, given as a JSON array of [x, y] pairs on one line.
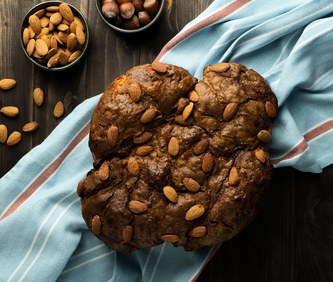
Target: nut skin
[[151, 6], [144, 18], [138, 4], [110, 10], [127, 10]]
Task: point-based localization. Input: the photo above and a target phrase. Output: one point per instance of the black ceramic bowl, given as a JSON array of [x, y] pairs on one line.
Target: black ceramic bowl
[[123, 29], [25, 23]]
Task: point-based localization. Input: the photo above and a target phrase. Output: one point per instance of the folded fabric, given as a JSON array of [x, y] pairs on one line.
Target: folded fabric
[[42, 234]]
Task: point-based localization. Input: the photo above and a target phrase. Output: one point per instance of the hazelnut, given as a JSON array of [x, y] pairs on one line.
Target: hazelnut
[[132, 23], [144, 18], [118, 21], [110, 10], [126, 10], [151, 6], [124, 1], [138, 4]]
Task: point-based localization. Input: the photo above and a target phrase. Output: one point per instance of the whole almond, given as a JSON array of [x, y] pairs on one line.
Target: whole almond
[[74, 56], [29, 127], [148, 116], [193, 96], [71, 42], [173, 147], [26, 36], [44, 22], [135, 92], [63, 36], [170, 238], [96, 225], [63, 27], [142, 138], [63, 58], [137, 207], [31, 32], [64, 21], [103, 172], [270, 109], [81, 38], [79, 23], [187, 111], [58, 110], [207, 162], [159, 67], [220, 67], [3, 133], [49, 14], [54, 43], [47, 40], [10, 111], [127, 233], [41, 47], [53, 61], [52, 27], [31, 46], [201, 147], [7, 83], [133, 166], [179, 119], [170, 193], [191, 184], [260, 155], [72, 27], [144, 150], [233, 176], [50, 54], [198, 231], [229, 111], [195, 212], [14, 138], [52, 9], [264, 136], [56, 19], [40, 13], [44, 31], [112, 135], [66, 12], [35, 24]]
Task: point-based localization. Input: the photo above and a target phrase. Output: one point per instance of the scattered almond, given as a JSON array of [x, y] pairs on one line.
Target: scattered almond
[[179, 119], [133, 166], [142, 137], [260, 155], [63, 58], [187, 111], [10, 111], [144, 150], [264, 136], [112, 135], [63, 27], [220, 67], [3, 133], [29, 127], [270, 109], [96, 225], [137, 207], [44, 22], [191, 184], [127, 234], [195, 212], [198, 231], [103, 172], [159, 67], [201, 147], [170, 193], [56, 19], [7, 83], [74, 56], [233, 176], [193, 96], [14, 138], [58, 110], [148, 115], [135, 92], [207, 162], [170, 238], [173, 147], [229, 111]]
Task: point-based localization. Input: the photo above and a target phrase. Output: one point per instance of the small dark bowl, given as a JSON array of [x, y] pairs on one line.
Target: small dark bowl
[[123, 30], [25, 23]]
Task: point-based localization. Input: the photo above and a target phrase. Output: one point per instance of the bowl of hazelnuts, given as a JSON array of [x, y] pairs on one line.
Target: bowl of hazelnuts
[[129, 16]]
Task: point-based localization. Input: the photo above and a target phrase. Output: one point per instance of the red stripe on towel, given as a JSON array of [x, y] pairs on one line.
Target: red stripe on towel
[[202, 24], [300, 148], [47, 172]]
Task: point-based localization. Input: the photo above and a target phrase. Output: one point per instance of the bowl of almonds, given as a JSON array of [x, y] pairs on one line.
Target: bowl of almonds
[[54, 35], [129, 16]]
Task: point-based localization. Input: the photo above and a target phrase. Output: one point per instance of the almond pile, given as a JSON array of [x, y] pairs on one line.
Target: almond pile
[[54, 36], [11, 111], [130, 14]]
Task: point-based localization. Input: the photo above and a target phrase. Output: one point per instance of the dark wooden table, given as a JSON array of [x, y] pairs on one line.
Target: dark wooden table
[[290, 240]]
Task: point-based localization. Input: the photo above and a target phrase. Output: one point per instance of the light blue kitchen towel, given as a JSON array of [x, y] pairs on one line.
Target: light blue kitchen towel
[[42, 234]]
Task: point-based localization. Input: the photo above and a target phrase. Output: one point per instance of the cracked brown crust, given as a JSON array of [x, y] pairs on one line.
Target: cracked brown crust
[[229, 204]]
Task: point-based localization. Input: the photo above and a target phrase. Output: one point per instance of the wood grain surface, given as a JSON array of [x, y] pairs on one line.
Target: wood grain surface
[[292, 237]]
